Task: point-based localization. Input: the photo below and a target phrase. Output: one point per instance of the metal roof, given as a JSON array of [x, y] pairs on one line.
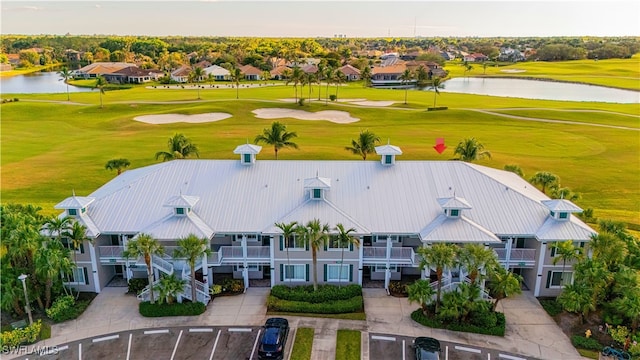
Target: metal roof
[[317, 183], [561, 205], [181, 201], [553, 230], [388, 150], [74, 202], [378, 199], [176, 227], [247, 149], [456, 229], [454, 203]]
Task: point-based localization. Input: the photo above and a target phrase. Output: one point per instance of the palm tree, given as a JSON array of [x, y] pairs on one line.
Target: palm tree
[[117, 164], [405, 79], [365, 74], [565, 251], [503, 284], [277, 136], [471, 149], [594, 274], [51, 261], [441, 256], [169, 287], [563, 193], [320, 75], [100, 85], [475, 257], [515, 169], [365, 145], [192, 248], [266, 76], [468, 68], [545, 179], [297, 76], [329, 76], [77, 235], [577, 298], [316, 235], [180, 147], [609, 249], [288, 231], [345, 239], [435, 84], [421, 76], [65, 75], [310, 78], [146, 246], [338, 79], [195, 76], [236, 76], [422, 292], [57, 226]]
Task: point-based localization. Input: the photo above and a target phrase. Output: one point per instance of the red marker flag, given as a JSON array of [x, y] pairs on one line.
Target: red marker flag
[[440, 147]]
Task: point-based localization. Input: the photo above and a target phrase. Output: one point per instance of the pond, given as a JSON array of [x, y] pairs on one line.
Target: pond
[[36, 83], [540, 90]]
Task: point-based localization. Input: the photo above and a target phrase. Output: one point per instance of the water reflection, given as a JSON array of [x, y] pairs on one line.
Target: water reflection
[[36, 83]]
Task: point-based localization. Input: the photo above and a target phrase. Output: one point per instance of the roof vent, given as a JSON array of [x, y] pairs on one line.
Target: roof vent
[[247, 153], [453, 206], [388, 153], [317, 186]]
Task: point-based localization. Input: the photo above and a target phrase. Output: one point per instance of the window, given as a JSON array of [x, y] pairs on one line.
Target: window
[[558, 279], [334, 244], [180, 211], [72, 212], [388, 159], [294, 242], [316, 194], [382, 268], [563, 215], [246, 158], [455, 213], [338, 272], [294, 272], [383, 238], [250, 237], [68, 244], [78, 277], [250, 267], [83, 210]]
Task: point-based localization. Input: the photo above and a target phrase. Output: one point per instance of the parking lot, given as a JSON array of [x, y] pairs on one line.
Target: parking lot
[[384, 346], [183, 343]]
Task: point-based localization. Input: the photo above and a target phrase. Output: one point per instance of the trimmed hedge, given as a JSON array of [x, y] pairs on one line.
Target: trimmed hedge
[[585, 343], [159, 310], [497, 330], [66, 308], [136, 285], [551, 306], [325, 293], [437, 108], [355, 304]]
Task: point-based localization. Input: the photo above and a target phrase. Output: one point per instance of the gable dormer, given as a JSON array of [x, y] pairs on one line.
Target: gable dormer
[[317, 187], [247, 153], [561, 209], [181, 204], [388, 153], [453, 206], [75, 205]]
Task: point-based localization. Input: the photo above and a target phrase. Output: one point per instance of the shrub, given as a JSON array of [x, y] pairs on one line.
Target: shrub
[[585, 343], [159, 310], [398, 288], [325, 293], [18, 337], [485, 319], [354, 304], [233, 286], [137, 285], [215, 290], [333, 97], [497, 330], [301, 101], [551, 306], [437, 108], [63, 308]]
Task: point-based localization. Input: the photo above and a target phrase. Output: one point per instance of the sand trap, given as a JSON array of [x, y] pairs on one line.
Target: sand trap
[[174, 118], [511, 71], [338, 117], [373, 103]]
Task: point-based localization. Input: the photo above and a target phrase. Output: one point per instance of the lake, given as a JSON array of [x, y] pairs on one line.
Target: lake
[[540, 90], [36, 83]]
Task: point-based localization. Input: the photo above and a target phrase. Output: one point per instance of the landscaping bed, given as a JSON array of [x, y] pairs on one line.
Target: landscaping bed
[[488, 323], [328, 299]]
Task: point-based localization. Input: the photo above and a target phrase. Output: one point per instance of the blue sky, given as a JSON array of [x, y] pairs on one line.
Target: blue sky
[[323, 19]]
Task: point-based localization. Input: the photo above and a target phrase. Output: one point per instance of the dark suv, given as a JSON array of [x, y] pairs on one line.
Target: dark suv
[[274, 338], [427, 348]]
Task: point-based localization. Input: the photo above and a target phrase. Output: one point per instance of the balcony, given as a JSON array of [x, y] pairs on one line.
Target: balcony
[[234, 255], [111, 254], [518, 257], [399, 256]]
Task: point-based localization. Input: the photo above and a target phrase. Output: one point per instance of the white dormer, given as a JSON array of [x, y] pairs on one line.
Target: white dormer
[[75, 205], [181, 204], [247, 153], [317, 186], [453, 206], [561, 209], [388, 153]]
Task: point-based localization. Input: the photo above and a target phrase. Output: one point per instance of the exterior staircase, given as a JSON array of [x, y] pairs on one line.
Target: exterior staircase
[[166, 267]]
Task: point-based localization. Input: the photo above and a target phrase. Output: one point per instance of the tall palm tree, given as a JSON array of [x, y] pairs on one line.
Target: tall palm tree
[[365, 144], [566, 251], [345, 239], [310, 78], [515, 169], [365, 74], [435, 85], [57, 226], [169, 287], [100, 85], [545, 179], [51, 261], [277, 136], [117, 164], [236, 76], [322, 67], [441, 256], [422, 75], [266, 76], [471, 149], [422, 292], [195, 76], [192, 248], [180, 147], [467, 68], [77, 235], [288, 230], [297, 76], [146, 246], [405, 79], [317, 236], [475, 257], [329, 76], [577, 298], [503, 284], [339, 78], [65, 75], [594, 274], [609, 249]]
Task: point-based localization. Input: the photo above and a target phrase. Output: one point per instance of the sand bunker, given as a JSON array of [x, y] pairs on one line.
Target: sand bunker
[[512, 71], [174, 118], [338, 117]]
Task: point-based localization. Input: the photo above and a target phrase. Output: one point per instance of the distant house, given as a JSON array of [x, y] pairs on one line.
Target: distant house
[[218, 73], [202, 64], [278, 72], [410, 56], [475, 57], [181, 74], [447, 55], [350, 72], [309, 69], [389, 76], [251, 72], [101, 69], [133, 75], [509, 54], [388, 55], [14, 59], [73, 55], [5, 67], [433, 69]]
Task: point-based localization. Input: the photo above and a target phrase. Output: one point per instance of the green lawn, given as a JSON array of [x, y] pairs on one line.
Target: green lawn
[[303, 344], [348, 345]]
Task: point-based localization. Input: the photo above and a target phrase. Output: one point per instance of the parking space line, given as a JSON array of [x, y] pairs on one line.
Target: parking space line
[[404, 355], [199, 330], [385, 338], [446, 352], [215, 344], [462, 348], [239, 330], [129, 346], [504, 356], [148, 332], [105, 338], [61, 348], [254, 345], [175, 348], [80, 351]]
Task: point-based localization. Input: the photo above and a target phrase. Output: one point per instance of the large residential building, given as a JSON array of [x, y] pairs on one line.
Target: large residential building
[[395, 207]]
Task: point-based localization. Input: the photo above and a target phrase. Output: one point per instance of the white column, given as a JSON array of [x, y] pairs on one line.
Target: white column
[[387, 271], [94, 267], [272, 260], [360, 255], [539, 275], [245, 270], [128, 271], [507, 255], [205, 273]]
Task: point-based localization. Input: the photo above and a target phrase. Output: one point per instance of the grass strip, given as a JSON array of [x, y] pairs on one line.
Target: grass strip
[[303, 344], [348, 344]]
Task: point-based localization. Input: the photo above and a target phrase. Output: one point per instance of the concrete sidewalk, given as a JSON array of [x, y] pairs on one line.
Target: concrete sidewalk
[[530, 330]]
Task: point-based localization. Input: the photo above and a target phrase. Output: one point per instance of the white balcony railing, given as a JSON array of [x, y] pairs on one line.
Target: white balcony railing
[[398, 255], [110, 251], [517, 256]]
